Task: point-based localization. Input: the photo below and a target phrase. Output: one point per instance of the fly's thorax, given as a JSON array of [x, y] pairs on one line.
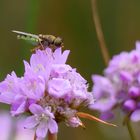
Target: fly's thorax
[[47, 38]]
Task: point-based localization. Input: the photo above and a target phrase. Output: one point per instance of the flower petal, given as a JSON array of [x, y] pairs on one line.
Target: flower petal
[[36, 109], [6, 98], [52, 125], [42, 129], [60, 58], [18, 108], [59, 87], [135, 115], [31, 122]]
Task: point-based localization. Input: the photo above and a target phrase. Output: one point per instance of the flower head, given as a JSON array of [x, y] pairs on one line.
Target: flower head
[[120, 85], [50, 91]]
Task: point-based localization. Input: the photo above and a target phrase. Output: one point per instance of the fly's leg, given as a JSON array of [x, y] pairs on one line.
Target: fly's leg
[[41, 45]]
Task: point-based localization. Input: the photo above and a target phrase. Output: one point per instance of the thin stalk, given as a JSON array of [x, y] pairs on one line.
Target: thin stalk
[[99, 32], [35, 137], [52, 136], [130, 130]]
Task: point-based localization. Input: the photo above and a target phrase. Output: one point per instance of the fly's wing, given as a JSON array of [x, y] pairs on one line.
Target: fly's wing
[[33, 39]]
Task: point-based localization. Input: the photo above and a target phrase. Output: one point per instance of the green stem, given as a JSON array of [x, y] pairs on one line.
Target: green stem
[[130, 130], [52, 136], [99, 32]]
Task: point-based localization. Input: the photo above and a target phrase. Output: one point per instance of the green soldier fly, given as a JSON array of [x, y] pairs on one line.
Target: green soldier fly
[[41, 41]]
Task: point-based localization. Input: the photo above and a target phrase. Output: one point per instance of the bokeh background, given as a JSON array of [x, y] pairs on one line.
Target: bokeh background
[[72, 20]]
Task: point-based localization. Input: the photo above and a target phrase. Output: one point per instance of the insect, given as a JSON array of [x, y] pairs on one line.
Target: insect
[[41, 41]]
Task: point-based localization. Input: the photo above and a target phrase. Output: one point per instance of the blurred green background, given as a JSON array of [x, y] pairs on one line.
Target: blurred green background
[[72, 20]]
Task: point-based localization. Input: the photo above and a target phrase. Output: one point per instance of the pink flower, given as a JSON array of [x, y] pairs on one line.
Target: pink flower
[[42, 119]]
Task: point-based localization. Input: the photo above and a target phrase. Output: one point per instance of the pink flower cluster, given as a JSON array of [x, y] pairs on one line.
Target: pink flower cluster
[[120, 86], [50, 91]]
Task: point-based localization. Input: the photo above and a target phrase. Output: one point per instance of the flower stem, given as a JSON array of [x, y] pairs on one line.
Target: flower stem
[[130, 130], [52, 136], [35, 137], [99, 32]]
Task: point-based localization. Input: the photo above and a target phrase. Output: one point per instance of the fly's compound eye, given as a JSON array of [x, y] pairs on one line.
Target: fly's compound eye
[[58, 41]]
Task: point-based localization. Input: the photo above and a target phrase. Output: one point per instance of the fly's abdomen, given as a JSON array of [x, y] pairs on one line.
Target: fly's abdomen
[[28, 38]]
